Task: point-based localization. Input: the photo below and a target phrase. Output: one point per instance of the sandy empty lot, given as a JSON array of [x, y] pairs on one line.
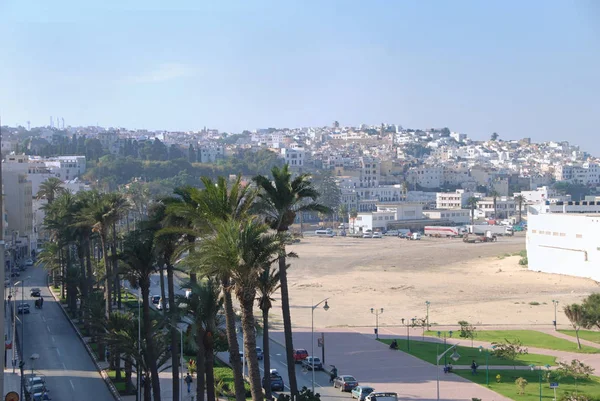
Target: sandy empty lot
[[462, 282]]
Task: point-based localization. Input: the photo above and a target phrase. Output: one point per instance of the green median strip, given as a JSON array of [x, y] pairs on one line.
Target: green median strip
[[529, 338], [588, 335], [427, 351], [507, 387]]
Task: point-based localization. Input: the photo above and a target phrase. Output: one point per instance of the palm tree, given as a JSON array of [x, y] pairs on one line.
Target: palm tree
[[576, 315], [117, 322], [139, 257], [50, 189], [520, 199], [343, 212], [204, 303], [242, 248], [279, 202], [268, 284], [494, 194], [472, 203], [353, 216], [119, 205]]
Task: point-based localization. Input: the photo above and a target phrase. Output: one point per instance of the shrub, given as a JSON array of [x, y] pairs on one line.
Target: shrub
[[498, 378], [534, 303], [524, 261], [575, 397], [521, 384]]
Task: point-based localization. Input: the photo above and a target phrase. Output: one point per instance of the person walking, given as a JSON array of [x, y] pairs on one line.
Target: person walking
[[474, 367], [188, 381]]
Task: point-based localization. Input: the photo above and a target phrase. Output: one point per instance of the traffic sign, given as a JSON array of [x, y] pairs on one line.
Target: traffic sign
[[319, 342], [12, 396], [553, 385]]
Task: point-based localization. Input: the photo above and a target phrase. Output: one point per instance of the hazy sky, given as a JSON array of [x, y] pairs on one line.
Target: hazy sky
[[520, 68]]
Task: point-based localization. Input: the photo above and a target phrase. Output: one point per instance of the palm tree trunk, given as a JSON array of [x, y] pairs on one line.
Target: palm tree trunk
[[287, 326], [174, 334], [250, 343], [107, 293], [234, 348], [63, 274], [578, 341], [150, 351], [128, 374], [267, 357], [200, 362], [209, 356]]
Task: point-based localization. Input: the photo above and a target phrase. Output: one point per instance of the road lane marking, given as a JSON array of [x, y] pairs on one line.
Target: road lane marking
[[44, 319], [52, 337], [72, 385], [64, 367], [48, 327]]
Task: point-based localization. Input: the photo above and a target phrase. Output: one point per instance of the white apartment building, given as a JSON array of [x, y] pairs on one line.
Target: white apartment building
[[586, 174], [386, 214], [452, 200], [369, 171], [426, 176], [210, 153], [19, 207], [542, 194], [564, 244], [505, 207], [458, 216], [293, 157]]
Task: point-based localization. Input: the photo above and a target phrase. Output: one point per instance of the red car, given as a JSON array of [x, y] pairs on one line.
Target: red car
[[300, 355]]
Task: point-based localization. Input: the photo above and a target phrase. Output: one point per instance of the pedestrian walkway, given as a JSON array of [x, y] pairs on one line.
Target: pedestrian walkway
[[12, 381]]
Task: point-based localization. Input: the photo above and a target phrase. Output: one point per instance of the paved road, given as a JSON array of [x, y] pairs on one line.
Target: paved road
[[70, 372]]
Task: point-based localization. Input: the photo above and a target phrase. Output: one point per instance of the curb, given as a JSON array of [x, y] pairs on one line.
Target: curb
[[111, 387]]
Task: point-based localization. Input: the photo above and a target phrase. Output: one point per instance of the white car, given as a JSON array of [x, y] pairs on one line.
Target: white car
[[367, 235], [377, 234]]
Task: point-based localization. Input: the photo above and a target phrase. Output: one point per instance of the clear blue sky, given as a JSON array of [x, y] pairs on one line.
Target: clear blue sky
[[521, 68]]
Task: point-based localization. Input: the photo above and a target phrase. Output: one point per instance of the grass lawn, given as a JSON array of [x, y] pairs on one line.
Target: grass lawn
[[589, 335], [529, 338], [226, 375], [427, 351], [508, 388], [120, 385]]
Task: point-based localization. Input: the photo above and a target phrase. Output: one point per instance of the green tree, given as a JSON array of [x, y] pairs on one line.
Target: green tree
[[472, 203], [50, 189], [577, 317], [494, 136], [279, 201], [268, 284], [467, 330], [139, 258], [343, 212], [520, 199], [521, 384], [591, 308], [353, 216], [329, 191], [494, 195], [576, 370], [509, 350]]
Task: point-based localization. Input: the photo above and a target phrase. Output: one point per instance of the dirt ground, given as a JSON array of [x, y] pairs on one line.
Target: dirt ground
[[473, 282]]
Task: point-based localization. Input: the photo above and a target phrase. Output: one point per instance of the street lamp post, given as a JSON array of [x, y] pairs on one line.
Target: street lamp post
[[312, 337], [407, 335], [376, 312], [555, 302], [427, 303], [532, 367], [487, 365], [455, 356], [439, 333], [14, 321]]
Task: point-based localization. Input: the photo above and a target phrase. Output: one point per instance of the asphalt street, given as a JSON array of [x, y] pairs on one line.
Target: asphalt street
[[69, 370]]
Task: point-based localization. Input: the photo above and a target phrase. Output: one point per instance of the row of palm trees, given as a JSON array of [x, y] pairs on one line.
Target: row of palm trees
[[229, 237]]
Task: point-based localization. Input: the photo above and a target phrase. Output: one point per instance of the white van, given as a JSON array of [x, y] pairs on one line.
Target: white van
[[381, 396], [324, 233]]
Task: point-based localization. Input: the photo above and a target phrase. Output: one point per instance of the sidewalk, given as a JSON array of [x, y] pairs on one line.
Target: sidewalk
[[12, 381]]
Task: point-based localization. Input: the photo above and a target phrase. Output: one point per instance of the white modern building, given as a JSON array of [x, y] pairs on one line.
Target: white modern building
[[386, 214], [453, 200], [564, 244], [210, 153], [458, 216], [294, 158]]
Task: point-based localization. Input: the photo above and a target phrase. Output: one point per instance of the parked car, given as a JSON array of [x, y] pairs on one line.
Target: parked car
[[162, 304], [29, 262], [37, 387], [345, 382], [15, 274], [35, 292], [300, 355], [276, 381], [33, 380], [392, 233], [155, 299], [360, 392], [259, 353], [377, 234], [382, 396], [367, 235], [23, 309], [308, 363], [415, 236]]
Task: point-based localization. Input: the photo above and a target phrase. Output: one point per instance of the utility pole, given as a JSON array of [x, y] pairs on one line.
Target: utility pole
[[2, 264]]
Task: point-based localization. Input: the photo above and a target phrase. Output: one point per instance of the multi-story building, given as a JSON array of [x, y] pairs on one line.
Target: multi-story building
[[452, 200], [586, 174], [505, 207], [426, 176], [19, 209], [386, 215], [564, 244], [456, 216], [369, 171], [210, 153], [40, 169], [294, 158]]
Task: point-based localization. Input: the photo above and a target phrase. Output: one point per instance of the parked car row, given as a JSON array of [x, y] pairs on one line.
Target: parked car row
[[35, 388], [362, 393]]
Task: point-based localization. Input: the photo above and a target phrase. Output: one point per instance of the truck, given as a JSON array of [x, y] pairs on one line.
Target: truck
[[485, 237], [445, 231], [481, 229]]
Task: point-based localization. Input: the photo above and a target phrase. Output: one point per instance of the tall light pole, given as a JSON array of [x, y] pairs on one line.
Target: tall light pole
[[539, 376], [376, 312], [2, 262], [555, 302], [455, 356], [312, 337], [427, 303], [180, 330], [407, 336], [487, 364]]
